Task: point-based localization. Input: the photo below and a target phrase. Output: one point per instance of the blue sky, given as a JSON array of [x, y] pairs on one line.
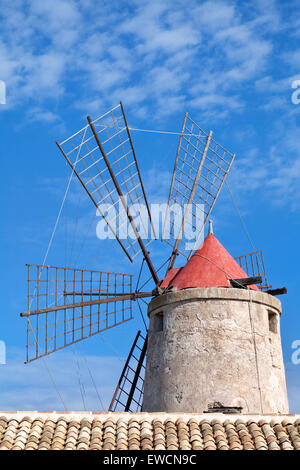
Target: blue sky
[[230, 64]]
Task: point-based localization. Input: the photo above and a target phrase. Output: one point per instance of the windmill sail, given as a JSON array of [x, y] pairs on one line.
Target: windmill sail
[[102, 157], [67, 305], [253, 265], [129, 392], [201, 167]]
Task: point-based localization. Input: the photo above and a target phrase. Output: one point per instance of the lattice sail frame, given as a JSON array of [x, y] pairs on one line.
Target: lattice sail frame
[[201, 167], [129, 393], [253, 265], [86, 160], [61, 298]]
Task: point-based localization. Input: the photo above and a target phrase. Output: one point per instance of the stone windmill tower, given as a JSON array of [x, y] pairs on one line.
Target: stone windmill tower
[[213, 341]]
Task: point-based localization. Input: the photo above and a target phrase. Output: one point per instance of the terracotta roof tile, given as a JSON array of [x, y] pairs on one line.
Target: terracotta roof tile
[[147, 431]]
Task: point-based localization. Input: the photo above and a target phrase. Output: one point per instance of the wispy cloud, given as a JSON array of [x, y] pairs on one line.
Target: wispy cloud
[[275, 177], [210, 58], [165, 49], [37, 114]]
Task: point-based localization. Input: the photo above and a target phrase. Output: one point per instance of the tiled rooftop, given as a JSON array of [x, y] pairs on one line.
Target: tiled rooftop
[[147, 431]]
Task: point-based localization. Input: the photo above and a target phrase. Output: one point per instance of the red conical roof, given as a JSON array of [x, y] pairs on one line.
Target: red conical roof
[[210, 266]]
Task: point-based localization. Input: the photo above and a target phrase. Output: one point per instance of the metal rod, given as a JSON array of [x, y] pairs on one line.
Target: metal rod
[[142, 246], [76, 269]]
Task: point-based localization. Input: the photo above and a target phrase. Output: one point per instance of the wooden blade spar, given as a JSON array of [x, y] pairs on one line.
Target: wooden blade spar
[[132, 296], [201, 167], [67, 305], [129, 392], [103, 159], [126, 208]]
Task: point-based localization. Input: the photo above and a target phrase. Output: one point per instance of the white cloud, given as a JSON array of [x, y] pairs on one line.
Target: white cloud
[[42, 115], [276, 177], [216, 15], [158, 50], [159, 58], [218, 100], [157, 28], [266, 14]]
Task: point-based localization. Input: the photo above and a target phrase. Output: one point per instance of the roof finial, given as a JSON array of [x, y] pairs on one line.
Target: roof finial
[[210, 232]]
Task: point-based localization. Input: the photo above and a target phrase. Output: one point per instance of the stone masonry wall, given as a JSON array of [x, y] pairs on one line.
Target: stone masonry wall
[[201, 350]]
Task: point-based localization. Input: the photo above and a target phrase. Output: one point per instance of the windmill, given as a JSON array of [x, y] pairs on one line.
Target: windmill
[[67, 305]]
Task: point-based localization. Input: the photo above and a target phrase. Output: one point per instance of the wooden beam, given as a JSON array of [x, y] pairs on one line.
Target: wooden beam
[[131, 296], [124, 203], [280, 291], [246, 281]]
